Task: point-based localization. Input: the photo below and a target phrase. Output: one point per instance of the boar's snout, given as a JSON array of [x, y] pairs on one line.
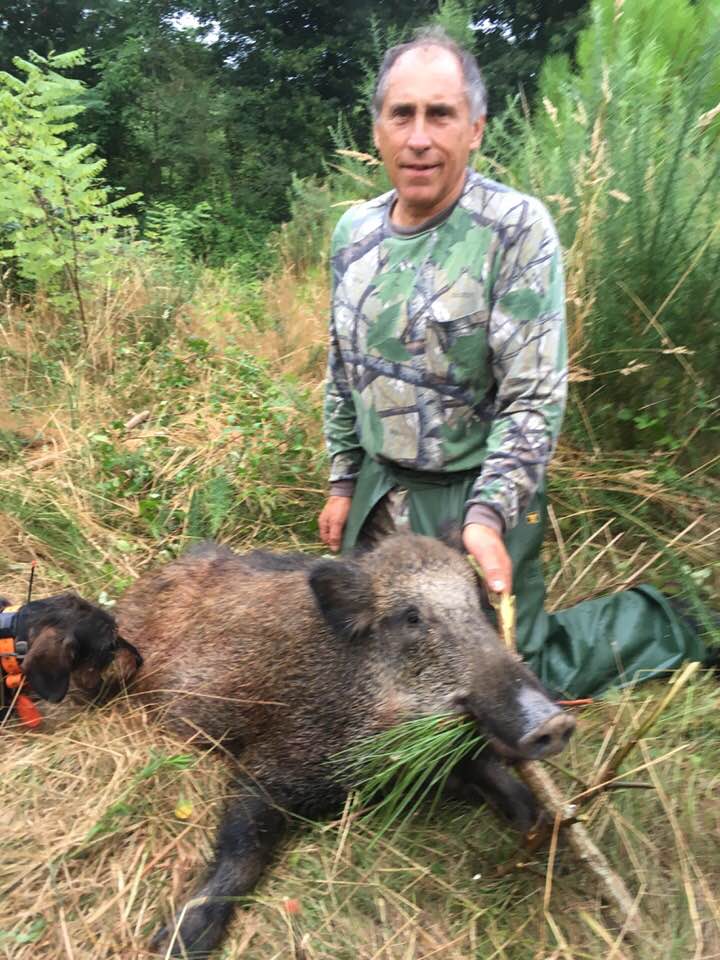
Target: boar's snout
[[520, 720], [549, 738]]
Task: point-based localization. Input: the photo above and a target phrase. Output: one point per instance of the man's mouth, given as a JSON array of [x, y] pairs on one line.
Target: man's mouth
[[420, 167]]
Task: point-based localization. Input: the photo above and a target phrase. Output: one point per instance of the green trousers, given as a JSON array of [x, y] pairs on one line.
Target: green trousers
[[578, 652]]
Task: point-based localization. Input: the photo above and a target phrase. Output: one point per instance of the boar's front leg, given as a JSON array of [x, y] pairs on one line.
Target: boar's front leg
[[250, 830], [486, 778]]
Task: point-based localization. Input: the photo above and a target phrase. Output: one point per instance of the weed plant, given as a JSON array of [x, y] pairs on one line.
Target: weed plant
[[623, 147]]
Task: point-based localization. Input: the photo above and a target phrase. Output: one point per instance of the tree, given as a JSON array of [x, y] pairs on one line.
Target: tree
[[513, 38], [226, 113], [57, 220]]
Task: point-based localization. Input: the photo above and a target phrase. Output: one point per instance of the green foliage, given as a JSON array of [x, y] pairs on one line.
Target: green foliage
[[132, 801], [317, 204], [209, 507], [30, 934], [58, 528], [456, 17], [238, 455], [225, 113], [397, 769], [625, 152], [514, 38], [161, 114], [58, 224], [178, 234], [210, 235]]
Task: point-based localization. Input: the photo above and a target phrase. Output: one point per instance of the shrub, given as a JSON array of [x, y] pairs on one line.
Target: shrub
[[624, 150], [58, 223]]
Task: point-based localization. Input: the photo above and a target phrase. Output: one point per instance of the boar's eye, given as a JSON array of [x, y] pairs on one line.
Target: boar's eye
[[412, 616]]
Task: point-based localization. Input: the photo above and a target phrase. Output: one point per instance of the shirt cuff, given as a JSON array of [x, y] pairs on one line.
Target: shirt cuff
[[342, 488], [478, 513]]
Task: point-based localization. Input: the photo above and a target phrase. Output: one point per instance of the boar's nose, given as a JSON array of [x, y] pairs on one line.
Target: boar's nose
[[550, 737]]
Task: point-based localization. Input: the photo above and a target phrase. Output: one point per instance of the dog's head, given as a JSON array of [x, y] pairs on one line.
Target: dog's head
[[64, 634]]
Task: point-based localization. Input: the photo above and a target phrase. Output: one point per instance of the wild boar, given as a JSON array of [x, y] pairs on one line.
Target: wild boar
[[288, 660]]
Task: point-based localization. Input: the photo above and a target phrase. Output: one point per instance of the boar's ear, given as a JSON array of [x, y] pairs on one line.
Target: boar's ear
[[49, 662], [450, 532], [344, 595]]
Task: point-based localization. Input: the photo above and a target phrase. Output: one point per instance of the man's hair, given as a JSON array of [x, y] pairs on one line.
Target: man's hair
[[475, 89]]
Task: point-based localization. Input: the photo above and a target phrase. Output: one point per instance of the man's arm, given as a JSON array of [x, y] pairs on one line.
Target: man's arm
[[526, 336]]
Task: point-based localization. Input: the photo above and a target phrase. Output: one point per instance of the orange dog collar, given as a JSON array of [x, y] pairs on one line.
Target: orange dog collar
[[12, 677]]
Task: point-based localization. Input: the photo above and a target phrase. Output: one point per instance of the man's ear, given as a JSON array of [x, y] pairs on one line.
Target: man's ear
[[344, 595], [48, 664], [375, 137], [477, 134]]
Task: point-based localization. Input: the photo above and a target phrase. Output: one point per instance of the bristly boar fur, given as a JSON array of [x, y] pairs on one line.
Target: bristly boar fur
[[287, 660]]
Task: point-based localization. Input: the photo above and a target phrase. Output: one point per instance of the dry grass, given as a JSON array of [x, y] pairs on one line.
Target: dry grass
[[108, 823], [625, 526], [289, 329]]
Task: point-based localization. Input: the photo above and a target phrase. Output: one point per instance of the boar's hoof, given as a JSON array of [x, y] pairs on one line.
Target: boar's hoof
[[485, 779], [198, 929]]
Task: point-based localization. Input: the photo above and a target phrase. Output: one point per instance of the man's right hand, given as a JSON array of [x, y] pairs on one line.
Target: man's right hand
[[332, 521], [488, 548]]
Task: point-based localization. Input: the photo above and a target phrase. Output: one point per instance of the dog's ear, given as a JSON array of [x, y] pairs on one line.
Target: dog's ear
[[48, 664]]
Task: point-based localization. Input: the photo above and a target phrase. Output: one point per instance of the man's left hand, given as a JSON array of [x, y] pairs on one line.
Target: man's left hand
[[487, 547]]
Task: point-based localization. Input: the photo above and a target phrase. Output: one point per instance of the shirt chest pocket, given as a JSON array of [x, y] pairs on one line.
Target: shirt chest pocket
[[456, 324]]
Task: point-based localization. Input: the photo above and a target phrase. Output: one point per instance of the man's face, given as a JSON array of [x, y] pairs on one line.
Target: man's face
[[424, 133]]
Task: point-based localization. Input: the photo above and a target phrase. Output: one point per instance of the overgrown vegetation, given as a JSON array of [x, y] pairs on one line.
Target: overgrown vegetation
[[186, 404], [220, 103], [396, 770], [625, 152], [58, 224]]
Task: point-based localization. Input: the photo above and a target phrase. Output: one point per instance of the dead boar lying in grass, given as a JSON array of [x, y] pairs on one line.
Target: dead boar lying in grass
[[288, 660]]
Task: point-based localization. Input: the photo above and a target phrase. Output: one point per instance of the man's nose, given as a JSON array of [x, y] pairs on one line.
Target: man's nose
[[419, 138]]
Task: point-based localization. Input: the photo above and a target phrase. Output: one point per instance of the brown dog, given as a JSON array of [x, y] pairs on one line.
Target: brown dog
[[65, 635]]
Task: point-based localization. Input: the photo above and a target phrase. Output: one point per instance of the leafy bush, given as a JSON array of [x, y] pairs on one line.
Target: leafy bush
[[624, 150], [58, 223], [216, 235]]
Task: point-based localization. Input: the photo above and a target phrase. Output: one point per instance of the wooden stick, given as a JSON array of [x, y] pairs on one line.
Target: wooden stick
[[542, 785]]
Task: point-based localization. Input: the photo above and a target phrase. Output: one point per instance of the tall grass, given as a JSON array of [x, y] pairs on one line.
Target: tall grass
[[624, 149], [226, 445], [108, 822]]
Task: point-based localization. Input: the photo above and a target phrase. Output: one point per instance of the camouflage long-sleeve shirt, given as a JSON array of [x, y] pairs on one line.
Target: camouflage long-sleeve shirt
[[447, 345]]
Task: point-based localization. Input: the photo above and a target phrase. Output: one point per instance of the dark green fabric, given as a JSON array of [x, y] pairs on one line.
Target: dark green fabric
[[581, 651]]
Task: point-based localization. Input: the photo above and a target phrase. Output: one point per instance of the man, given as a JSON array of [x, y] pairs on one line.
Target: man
[[448, 366]]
